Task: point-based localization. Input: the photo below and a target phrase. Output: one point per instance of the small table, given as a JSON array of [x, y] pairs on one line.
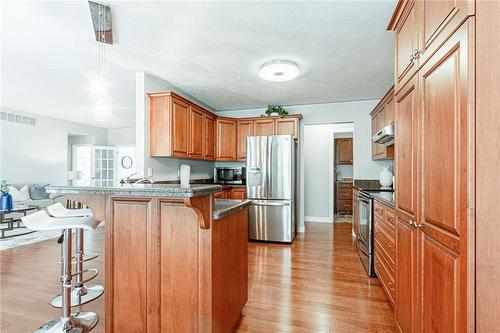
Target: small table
[[23, 209]]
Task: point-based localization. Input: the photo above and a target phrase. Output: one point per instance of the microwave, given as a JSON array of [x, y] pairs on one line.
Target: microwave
[[230, 175]]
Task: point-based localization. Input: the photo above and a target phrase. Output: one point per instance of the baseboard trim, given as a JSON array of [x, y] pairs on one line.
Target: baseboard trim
[[319, 219]]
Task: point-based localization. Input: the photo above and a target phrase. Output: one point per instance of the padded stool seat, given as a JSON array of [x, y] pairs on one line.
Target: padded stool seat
[[58, 210], [42, 221]]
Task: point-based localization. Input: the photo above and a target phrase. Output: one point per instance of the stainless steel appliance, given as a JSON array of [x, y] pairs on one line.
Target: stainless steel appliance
[[230, 175], [365, 227], [385, 135], [271, 183]]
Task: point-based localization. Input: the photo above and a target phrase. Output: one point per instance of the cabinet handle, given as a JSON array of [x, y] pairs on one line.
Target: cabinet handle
[[412, 223], [412, 58], [416, 53]]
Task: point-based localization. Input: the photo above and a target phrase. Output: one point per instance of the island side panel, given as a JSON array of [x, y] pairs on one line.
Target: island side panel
[[130, 251], [229, 270]]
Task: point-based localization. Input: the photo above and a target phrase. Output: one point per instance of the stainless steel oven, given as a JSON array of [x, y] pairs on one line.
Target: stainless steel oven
[[365, 222], [230, 175]]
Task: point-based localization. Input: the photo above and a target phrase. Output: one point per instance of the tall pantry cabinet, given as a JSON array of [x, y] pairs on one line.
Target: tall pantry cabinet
[[434, 95]]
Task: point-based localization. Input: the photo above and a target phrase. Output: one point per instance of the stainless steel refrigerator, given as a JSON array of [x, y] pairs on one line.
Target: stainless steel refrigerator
[[271, 185]]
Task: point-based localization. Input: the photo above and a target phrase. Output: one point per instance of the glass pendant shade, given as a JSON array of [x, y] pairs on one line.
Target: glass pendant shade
[[102, 108], [98, 85]]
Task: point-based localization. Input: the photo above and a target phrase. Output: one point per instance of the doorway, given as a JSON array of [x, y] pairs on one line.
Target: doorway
[[343, 176]]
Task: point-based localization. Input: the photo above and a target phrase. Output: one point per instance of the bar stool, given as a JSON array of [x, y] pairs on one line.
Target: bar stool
[[80, 294], [77, 322]]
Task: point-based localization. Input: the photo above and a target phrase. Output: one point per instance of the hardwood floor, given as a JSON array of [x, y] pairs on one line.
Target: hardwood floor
[[316, 285]]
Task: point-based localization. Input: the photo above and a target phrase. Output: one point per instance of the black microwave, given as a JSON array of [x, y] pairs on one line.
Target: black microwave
[[230, 175]]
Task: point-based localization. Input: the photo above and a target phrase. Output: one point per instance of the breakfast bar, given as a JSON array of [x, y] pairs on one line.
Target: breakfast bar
[[175, 261]]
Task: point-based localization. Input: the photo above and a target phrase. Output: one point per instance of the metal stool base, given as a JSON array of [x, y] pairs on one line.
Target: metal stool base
[[91, 293], [80, 322]]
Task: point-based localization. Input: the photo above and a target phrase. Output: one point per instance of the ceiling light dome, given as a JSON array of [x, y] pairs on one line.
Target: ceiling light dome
[[279, 70]]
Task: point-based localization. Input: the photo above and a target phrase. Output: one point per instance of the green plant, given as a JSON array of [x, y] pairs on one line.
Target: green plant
[[4, 187], [276, 109]]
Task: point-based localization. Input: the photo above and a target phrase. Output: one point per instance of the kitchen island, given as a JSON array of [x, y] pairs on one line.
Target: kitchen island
[[169, 265]]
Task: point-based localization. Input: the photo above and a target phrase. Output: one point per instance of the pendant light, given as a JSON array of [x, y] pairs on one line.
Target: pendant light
[[99, 90]]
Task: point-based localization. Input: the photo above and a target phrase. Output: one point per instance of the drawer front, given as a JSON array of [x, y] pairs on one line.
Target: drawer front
[[344, 205], [387, 282], [345, 186], [390, 218], [386, 249], [378, 210], [344, 194]]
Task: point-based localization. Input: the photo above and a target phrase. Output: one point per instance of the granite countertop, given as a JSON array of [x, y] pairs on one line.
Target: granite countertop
[[369, 185], [225, 207], [153, 190], [384, 197]]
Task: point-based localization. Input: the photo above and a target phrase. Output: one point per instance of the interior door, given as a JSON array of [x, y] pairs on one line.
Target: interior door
[[447, 106], [257, 167], [280, 166]]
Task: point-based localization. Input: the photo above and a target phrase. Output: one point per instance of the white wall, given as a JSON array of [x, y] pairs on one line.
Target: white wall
[[121, 136], [163, 168], [357, 112], [39, 154]]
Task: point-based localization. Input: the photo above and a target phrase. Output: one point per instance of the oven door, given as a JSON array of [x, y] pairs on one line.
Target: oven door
[[365, 223]]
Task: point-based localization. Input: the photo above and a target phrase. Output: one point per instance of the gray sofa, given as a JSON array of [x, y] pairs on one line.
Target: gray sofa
[[53, 198]]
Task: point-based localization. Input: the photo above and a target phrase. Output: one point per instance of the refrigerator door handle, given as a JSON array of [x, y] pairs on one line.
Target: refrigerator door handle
[[254, 169]]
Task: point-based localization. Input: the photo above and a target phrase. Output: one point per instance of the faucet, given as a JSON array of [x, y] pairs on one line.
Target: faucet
[[144, 180], [127, 180]]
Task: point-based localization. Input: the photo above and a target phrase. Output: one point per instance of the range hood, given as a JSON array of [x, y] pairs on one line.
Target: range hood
[[385, 135]]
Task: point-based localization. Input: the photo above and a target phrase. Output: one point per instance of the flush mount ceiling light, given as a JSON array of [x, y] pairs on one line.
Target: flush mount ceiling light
[[279, 70]]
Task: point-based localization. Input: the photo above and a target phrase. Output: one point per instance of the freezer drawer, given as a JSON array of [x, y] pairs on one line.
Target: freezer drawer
[[271, 221]]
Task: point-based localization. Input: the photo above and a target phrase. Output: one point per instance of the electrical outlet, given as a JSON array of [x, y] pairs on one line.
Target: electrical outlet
[[150, 172]]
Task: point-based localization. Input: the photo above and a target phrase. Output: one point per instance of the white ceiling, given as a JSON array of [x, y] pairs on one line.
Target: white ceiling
[[211, 50]]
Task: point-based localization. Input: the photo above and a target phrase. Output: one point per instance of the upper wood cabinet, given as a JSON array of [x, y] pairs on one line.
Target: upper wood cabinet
[[209, 134], [287, 125], [343, 151], [404, 23], [245, 128], [383, 115], [421, 27], [264, 126], [226, 139], [197, 135], [179, 128]]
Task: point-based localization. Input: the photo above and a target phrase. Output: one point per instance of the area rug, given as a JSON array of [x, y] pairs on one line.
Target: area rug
[[16, 241]]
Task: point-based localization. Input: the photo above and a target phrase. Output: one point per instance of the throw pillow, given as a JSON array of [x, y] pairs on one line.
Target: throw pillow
[[19, 195], [37, 192]]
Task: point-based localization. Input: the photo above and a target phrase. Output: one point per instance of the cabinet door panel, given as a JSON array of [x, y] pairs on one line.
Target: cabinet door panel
[[226, 140], [407, 149], [439, 20], [264, 127], [447, 95], [196, 136], [406, 272], [406, 43], [209, 135], [180, 128], [287, 126], [245, 128]]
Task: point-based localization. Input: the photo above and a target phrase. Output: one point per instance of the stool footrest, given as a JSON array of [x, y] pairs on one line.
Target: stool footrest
[[89, 270]]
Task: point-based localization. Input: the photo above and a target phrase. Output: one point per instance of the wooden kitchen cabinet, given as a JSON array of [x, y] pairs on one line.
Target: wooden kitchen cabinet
[[226, 139], [287, 125], [435, 115], [343, 198], [245, 128], [196, 134], [209, 134], [264, 126], [238, 193], [404, 22], [179, 128], [343, 151], [383, 115]]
